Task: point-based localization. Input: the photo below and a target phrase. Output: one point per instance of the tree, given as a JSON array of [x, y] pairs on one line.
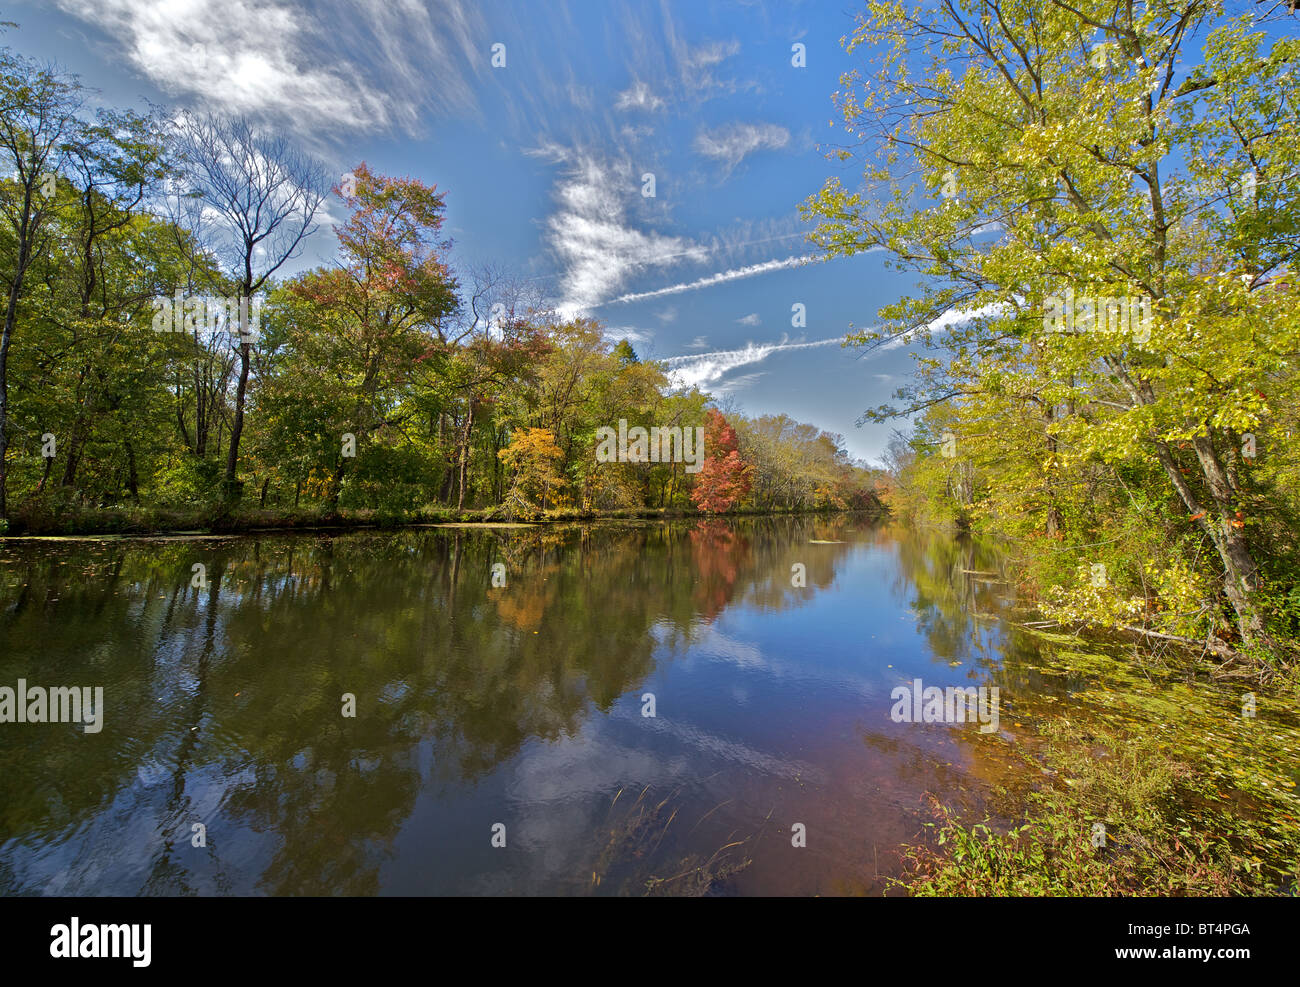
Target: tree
[[724, 479], [266, 194], [112, 172], [359, 329], [495, 339], [39, 125], [1073, 157], [531, 460], [624, 353]]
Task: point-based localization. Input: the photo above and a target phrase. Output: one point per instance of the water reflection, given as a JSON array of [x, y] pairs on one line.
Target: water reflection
[[520, 705]]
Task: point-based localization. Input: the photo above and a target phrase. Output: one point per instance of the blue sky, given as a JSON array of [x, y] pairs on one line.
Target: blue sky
[[543, 159]]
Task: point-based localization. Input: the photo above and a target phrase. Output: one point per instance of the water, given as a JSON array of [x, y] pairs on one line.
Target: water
[[477, 705]]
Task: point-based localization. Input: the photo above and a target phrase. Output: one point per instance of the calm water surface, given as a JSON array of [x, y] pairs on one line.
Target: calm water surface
[[477, 705]]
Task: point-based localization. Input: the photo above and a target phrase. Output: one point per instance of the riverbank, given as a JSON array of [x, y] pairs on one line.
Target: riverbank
[[241, 520], [1163, 765], [1154, 780]]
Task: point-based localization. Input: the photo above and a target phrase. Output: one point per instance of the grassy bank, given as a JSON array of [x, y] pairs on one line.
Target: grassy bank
[[1152, 780], [213, 520]]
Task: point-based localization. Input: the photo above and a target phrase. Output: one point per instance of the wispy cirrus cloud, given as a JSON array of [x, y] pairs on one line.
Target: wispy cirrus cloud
[[738, 383], [638, 97], [722, 277], [706, 370], [296, 63], [954, 317], [695, 64], [632, 334], [591, 235], [732, 142]]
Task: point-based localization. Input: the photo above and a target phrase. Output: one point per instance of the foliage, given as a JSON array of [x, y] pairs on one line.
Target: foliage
[[1064, 161], [723, 479], [532, 460], [1135, 791]]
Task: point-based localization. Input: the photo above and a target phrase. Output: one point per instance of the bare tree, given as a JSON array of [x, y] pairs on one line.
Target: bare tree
[[265, 194], [211, 361]]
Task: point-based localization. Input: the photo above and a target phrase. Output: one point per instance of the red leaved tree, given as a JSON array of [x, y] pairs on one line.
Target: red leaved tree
[[724, 479]]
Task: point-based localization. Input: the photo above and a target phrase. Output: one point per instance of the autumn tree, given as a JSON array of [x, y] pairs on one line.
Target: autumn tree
[[531, 462], [724, 479], [354, 333]]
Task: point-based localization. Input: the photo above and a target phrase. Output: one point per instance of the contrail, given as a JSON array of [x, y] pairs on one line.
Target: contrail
[[750, 349], [721, 277]]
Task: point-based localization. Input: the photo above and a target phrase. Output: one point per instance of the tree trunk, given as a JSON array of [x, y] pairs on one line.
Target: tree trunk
[[237, 428], [75, 446], [132, 480], [1240, 571], [40, 487], [464, 456], [11, 312], [336, 483], [1241, 577]]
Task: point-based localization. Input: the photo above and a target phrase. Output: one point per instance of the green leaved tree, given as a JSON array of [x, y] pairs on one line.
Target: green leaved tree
[[1070, 153]]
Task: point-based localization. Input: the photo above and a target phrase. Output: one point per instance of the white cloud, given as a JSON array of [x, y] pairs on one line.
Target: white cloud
[[298, 63], [632, 334], [590, 234], [710, 54], [706, 369], [944, 322], [632, 134], [751, 319], [698, 343], [695, 65], [732, 142], [737, 383], [722, 277], [638, 97]]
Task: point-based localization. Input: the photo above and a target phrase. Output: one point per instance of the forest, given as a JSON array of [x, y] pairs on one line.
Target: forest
[[1109, 382], [160, 369]]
